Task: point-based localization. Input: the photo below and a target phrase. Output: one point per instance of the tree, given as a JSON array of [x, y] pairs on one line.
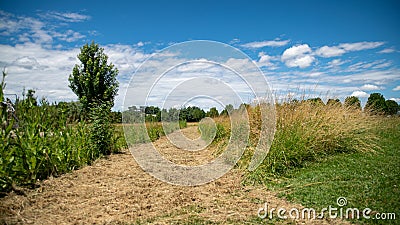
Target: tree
[[352, 102], [376, 103], [316, 101], [191, 114], [392, 107], [94, 81], [333, 102], [213, 112], [153, 114], [228, 110]]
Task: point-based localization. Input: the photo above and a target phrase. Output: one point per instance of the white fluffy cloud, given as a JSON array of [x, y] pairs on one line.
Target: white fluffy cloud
[[265, 60], [298, 56], [396, 88], [327, 51], [370, 87], [261, 44], [360, 94]]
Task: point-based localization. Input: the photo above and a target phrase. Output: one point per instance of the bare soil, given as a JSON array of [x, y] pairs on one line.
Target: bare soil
[[115, 190]]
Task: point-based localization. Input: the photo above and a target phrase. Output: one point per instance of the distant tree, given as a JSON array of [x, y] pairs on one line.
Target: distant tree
[[94, 80], [376, 104], [152, 110], [191, 114], [153, 114], [213, 112], [352, 102], [316, 101], [171, 115], [392, 107], [228, 110], [333, 102], [244, 106]]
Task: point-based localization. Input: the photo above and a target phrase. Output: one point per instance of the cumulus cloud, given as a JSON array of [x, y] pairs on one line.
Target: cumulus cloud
[[298, 56], [332, 51], [369, 87], [396, 88], [265, 60], [261, 44], [360, 94]]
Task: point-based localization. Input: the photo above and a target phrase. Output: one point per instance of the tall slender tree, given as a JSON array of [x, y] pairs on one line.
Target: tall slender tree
[[94, 81]]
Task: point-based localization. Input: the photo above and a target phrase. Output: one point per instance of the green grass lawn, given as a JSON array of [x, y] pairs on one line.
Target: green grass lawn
[[369, 179]]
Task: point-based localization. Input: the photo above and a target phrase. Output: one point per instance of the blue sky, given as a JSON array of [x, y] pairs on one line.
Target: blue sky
[[327, 48]]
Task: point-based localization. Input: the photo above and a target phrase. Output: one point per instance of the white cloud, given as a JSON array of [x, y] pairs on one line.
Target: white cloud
[[327, 51], [298, 56], [395, 99], [266, 61], [370, 76], [360, 94], [396, 88], [24, 29], [68, 36], [66, 17], [369, 87], [387, 50], [261, 44], [332, 51], [358, 46], [361, 66], [335, 63], [382, 65]]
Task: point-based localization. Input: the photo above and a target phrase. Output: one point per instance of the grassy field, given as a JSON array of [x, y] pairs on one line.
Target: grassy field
[[365, 179], [323, 152]]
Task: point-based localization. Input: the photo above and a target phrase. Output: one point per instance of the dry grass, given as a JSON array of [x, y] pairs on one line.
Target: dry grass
[[307, 131]]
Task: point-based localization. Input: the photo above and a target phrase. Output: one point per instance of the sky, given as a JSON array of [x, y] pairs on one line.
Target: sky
[[330, 49]]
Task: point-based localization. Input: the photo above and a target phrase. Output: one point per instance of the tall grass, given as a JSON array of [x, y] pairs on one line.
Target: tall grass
[[306, 131]]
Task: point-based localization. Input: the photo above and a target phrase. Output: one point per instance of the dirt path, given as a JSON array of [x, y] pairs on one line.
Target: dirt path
[[117, 191]]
